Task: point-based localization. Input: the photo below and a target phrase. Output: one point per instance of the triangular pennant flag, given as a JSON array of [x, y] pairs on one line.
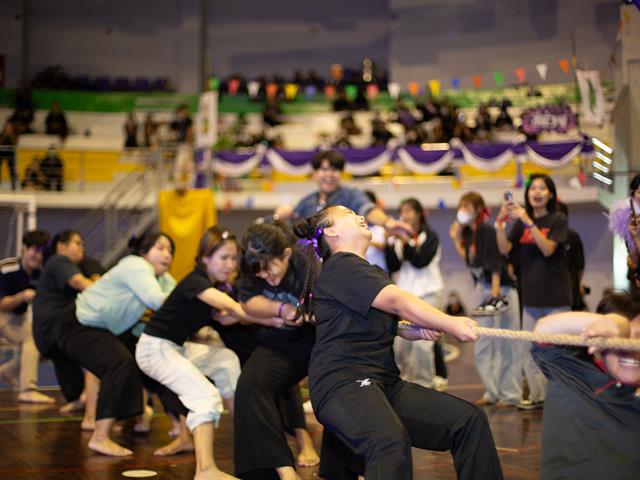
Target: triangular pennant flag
[[272, 90], [542, 70], [455, 83], [394, 90], [310, 91], [520, 75], [330, 92], [233, 84], [214, 83], [434, 86], [372, 91], [414, 88], [253, 87], [352, 91], [498, 77], [477, 80], [564, 65], [290, 91]]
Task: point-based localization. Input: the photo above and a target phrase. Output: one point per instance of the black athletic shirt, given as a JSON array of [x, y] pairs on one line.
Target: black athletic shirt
[[545, 281], [52, 296], [14, 279], [288, 291], [591, 425], [354, 341], [484, 258], [183, 313]]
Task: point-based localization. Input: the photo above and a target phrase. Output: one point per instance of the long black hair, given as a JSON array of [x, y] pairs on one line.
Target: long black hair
[[415, 205], [63, 236], [552, 205], [316, 249]]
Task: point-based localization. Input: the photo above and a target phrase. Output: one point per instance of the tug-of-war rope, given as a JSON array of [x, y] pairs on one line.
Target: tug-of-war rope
[[626, 344]]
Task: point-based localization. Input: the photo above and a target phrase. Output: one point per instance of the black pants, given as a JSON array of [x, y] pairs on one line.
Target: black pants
[[260, 444], [69, 374], [383, 423], [100, 352]]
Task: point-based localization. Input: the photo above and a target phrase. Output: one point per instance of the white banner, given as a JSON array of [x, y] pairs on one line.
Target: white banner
[[593, 114], [207, 120]]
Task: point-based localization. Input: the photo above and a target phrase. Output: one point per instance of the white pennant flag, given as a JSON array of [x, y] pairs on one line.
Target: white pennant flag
[[542, 70], [394, 90], [253, 88]]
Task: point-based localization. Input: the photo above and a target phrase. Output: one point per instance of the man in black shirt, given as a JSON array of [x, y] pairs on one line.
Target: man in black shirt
[[18, 277]]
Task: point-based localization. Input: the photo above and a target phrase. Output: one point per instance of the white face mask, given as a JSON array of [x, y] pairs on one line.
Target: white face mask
[[464, 217]]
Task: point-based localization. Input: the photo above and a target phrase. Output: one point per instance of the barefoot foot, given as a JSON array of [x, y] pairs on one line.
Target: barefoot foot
[[143, 422], [213, 474], [308, 457], [174, 447], [88, 424], [106, 446], [71, 407]]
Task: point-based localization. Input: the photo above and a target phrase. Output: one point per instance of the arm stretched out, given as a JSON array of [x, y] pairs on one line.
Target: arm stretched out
[[394, 300]]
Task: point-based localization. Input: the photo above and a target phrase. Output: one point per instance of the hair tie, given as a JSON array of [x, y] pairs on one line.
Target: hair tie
[[313, 241], [225, 235]]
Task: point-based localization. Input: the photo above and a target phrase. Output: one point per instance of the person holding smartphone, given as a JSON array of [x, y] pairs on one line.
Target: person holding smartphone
[[536, 243]]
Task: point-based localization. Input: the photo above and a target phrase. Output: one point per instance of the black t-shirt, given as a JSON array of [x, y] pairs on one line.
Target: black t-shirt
[[544, 281], [591, 425], [575, 260], [52, 296], [289, 291], [482, 255], [14, 279], [354, 341], [182, 313]]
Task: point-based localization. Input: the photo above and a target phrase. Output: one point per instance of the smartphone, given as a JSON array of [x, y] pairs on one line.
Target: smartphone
[[508, 196]]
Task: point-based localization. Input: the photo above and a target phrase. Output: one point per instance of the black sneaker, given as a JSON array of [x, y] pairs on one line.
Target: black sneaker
[[494, 306]]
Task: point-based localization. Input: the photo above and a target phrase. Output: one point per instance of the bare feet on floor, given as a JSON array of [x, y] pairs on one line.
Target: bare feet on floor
[[213, 474], [88, 424], [178, 445], [143, 422], [106, 446], [287, 473], [34, 396], [71, 407]]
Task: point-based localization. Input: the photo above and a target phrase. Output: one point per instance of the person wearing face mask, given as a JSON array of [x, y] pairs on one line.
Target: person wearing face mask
[[536, 243], [497, 361], [414, 263], [99, 330], [591, 422], [165, 354]]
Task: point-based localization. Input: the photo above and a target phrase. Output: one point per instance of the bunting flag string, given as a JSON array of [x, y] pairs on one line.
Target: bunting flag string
[[368, 161]]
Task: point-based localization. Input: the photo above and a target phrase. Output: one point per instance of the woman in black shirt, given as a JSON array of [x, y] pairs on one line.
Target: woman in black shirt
[[498, 361], [164, 354], [536, 244], [356, 390], [272, 283]]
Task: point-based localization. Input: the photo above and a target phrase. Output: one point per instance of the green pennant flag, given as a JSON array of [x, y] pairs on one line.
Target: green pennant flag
[[498, 78], [351, 91], [214, 83]]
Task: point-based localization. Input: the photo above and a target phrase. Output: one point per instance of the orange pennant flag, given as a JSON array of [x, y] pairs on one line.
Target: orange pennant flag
[[564, 65], [477, 80], [414, 88], [520, 74], [272, 90], [330, 92]]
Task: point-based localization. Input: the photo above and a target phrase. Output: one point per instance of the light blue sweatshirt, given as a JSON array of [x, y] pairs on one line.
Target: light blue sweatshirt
[[117, 301]]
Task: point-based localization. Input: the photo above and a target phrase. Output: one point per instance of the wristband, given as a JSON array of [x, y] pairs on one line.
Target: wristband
[[280, 308]]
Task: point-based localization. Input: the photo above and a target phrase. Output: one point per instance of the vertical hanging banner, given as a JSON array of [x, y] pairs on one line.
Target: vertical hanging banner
[[394, 90], [520, 75], [564, 65], [542, 69], [498, 77], [588, 80], [207, 120], [477, 81], [434, 87], [414, 89]]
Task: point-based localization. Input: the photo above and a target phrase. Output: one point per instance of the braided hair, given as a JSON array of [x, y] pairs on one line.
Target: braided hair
[[316, 250]]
